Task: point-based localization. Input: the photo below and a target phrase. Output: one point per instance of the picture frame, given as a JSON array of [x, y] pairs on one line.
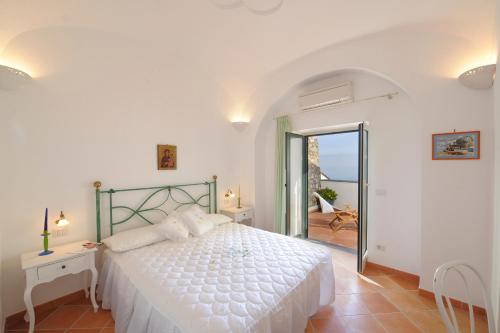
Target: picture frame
[[166, 157], [456, 146]]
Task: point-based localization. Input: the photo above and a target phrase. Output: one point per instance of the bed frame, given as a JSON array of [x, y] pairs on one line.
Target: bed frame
[[207, 199]]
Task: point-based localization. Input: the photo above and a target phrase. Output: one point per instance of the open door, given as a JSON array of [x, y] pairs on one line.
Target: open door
[[362, 196], [296, 185]]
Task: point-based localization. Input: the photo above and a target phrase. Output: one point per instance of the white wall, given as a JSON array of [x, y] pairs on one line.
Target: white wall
[[425, 63], [97, 114], [347, 192], [390, 165], [496, 236], [2, 318], [102, 101]]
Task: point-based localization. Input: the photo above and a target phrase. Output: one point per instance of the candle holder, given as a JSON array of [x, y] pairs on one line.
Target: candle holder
[[239, 197], [46, 250]]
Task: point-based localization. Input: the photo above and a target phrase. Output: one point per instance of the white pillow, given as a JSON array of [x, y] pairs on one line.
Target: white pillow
[[197, 209], [196, 221], [134, 238], [218, 219], [173, 228]]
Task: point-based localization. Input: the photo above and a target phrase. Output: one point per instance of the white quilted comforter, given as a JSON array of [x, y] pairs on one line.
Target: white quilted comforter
[[233, 279]]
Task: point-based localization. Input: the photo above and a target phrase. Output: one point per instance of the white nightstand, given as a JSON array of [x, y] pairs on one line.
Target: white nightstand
[[67, 259], [243, 215]]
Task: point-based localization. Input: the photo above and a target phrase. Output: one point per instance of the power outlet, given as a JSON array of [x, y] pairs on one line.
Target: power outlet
[[60, 233], [381, 248]]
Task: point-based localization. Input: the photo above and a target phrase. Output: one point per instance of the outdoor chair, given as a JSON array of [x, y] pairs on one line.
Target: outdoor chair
[[341, 218]]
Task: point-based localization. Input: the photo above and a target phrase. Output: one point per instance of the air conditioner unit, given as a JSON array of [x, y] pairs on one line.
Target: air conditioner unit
[[339, 94]]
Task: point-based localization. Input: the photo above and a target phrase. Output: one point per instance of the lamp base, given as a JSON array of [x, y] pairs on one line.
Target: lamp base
[[45, 253]]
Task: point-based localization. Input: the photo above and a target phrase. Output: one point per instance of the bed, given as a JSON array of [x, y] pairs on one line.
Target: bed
[[232, 279]]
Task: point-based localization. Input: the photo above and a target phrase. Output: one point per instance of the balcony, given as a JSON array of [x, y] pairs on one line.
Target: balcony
[[319, 228]]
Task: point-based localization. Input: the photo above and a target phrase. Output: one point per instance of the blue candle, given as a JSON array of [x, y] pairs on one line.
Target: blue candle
[[45, 225]]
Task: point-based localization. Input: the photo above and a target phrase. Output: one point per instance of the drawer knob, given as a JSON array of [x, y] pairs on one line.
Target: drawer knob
[[63, 266]]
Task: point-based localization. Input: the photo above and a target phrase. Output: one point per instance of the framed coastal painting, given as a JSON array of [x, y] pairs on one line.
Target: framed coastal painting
[[167, 157], [456, 146]]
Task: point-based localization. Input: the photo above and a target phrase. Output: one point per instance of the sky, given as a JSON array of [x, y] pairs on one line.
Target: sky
[[338, 155]]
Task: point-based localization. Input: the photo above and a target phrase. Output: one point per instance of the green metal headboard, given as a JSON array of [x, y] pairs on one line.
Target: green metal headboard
[[153, 192]]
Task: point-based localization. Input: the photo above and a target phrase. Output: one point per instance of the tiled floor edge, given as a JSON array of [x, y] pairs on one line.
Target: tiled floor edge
[[390, 270], [44, 307], [455, 302]]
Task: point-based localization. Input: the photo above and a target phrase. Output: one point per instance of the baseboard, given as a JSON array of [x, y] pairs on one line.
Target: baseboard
[[455, 302], [390, 270], [312, 209], [425, 293], [16, 318]]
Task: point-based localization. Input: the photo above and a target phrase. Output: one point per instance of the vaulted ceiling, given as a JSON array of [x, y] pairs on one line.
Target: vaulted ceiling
[[233, 45]]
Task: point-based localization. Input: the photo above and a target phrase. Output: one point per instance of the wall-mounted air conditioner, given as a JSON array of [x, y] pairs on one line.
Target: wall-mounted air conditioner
[[338, 94]]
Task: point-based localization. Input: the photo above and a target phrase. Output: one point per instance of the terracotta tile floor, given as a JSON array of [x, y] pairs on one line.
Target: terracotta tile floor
[[373, 303], [319, 230], [76, 317], [377, 302]]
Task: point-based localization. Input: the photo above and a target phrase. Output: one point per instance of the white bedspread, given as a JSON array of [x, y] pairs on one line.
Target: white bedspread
[[233, 279]]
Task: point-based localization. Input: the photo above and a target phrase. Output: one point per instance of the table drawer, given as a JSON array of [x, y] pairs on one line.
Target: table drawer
[[243, 216], [68, 266]]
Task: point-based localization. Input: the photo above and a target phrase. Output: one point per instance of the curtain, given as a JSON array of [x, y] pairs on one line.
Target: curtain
[[282, 126]]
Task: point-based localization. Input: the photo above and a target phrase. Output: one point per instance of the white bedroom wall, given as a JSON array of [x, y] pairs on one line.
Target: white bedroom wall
[[77, 123], [496, 236], [2, 317], [425, 64], [113, 81], [3, 198], [391, 163]]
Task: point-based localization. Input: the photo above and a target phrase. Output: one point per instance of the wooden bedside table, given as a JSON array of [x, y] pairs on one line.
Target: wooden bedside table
[[243, 215], [67, 259]]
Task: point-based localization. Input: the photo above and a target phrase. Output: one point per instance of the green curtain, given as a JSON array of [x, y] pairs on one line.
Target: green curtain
[[282, 126]]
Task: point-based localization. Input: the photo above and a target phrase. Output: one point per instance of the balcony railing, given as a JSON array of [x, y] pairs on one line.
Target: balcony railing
[[347, 192]]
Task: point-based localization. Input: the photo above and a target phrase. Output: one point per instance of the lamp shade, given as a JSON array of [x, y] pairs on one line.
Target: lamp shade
[[11, 78], [240, 125], [61, 222], [261, 7], [229, 194], [479, 78]]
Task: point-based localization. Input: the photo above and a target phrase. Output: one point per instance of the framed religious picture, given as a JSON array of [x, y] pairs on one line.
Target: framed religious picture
[[456, 146], [167, 157]]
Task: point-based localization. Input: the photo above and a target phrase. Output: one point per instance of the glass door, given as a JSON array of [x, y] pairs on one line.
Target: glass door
[[296, 185], [362, 196]]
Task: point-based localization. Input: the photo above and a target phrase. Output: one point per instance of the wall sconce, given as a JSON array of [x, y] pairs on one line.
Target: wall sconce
[[61, 222], [479, 78], [255, 6], [240, 125], [229, 194], [11, 77]]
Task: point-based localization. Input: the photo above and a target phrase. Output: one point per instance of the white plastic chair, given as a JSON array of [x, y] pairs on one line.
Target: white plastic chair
[[439, 285]]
